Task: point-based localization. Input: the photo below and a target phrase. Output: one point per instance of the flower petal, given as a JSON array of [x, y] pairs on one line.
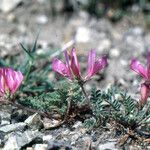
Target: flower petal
[[99, 65], [68, 62], [13, 79], [144, 93], [18, 78], [148, 65], [9, 79], [2, 83], [75, 64], [91, 62], [138, 67], [60, 67]]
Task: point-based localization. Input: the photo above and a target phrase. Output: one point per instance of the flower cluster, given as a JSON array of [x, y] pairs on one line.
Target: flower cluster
[[145, 73], [71, 69], [10, 80]]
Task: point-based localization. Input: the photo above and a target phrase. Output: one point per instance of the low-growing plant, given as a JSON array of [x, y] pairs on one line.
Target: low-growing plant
[[68, 97], [116, 105], [113, 105]]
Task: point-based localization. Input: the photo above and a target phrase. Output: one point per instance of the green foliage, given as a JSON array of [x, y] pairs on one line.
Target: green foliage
[[35, 68], [49, 101], [56, 100], [113, 104], [90, 123], [97, 98], [129, 104], [76, 94], [110, 97], [39, 93], [45, 102]]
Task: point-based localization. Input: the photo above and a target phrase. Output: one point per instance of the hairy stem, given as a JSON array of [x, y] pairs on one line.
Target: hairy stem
[[84, 92]]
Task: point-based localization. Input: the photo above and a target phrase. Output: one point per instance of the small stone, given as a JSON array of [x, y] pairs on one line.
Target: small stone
[[114, 52], [82, 35], [42, 19], [87, 142], [29, 148], [135, 147], [22, 28], [5, 115], [137, 31], [47, 137], [34, 121], [11, 144], [123, 62], [108, 145], [40, 147], [75, 137], [49, 123], [78, 124], [104, 45], [5, 122], [5, 118], [66, 131], [8, 5], [12, 127], [11, 18], [18, 139]]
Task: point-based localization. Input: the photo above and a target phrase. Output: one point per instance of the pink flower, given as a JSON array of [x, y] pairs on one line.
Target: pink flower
[[75, 64], [61, 68], [71, 68], [94, 66], [145, 73], [144, 92], [10, 80]]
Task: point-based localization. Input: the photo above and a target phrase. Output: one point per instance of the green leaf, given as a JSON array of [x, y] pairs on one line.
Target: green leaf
[[27, 51], [35, 43]]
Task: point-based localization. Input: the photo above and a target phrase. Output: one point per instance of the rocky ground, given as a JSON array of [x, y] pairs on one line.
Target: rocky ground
[[21, 21]]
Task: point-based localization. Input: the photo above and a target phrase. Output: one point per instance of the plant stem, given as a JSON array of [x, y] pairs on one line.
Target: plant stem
[[84, 92], [142, 120], [28, 70]]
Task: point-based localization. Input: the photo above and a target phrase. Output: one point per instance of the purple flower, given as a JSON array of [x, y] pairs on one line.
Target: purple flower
[[10, 80], [61, 68], [144, 92], [75, 64], [71, 68], [145, 73], [94, 66]]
